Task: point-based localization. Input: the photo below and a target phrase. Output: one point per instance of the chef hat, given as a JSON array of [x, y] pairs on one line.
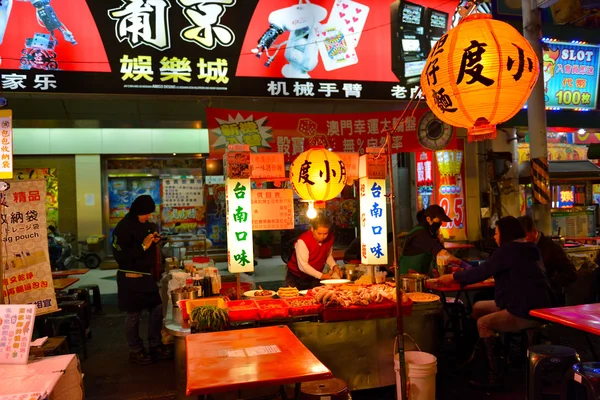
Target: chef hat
[[143, 205]]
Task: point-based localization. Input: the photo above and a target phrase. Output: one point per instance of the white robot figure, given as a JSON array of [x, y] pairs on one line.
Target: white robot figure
[[301, 47], [5, 8]]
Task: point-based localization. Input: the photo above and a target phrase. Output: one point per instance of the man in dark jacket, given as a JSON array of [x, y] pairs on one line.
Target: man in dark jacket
[[134, 248], [559, 269]]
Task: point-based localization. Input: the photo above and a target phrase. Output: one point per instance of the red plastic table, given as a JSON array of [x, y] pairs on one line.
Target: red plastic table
[[585, 317], [249, 358], [68, 272]]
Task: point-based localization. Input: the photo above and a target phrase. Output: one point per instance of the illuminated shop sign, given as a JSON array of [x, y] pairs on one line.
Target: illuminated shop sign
[[274, 48]]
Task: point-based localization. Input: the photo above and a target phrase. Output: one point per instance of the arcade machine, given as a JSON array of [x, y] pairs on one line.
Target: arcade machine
[[437, 26], [409, 43]]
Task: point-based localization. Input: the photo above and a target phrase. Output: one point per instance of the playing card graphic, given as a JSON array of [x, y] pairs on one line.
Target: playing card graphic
[[350, 17], [336, 51]]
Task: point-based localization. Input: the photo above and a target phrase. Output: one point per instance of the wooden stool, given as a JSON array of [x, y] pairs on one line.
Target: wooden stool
[[335, 389]]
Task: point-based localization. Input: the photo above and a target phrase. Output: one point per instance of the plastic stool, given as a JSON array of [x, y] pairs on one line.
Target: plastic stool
[[55, 322], [82, 309], [582, 382], [96, 300], [334, 389], [526, 339], [547, 367]]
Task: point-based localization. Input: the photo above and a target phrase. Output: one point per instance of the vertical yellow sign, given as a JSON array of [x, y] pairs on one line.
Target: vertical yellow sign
[[6, 145]]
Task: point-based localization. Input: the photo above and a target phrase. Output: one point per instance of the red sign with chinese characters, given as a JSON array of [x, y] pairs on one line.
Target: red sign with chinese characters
[[450, 192], [292, 134]]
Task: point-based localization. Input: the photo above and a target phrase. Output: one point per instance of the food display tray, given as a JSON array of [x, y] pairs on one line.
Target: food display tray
[[248, 313], [304, 310], [385, 309], [281, 311]]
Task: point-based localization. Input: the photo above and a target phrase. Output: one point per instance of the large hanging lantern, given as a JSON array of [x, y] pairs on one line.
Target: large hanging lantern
[[318, 175], [479, 74]]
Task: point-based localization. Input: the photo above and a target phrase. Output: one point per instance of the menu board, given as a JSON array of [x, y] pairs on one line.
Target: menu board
[[27, 274], [182, 192], [16, 328], [272, 209], [574, 222]]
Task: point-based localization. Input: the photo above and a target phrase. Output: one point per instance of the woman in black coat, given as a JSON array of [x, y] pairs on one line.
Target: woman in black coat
[[521, 286]]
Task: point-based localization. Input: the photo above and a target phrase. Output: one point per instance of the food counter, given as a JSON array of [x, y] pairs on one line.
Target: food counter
[[352, 333]]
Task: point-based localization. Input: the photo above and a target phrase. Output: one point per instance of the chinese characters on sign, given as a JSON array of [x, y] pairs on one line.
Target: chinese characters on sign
[[351, 163], [240, 250], [450, 191], [267, 165], [182, 192], [16, 328], [571, 75], [373, 216], [272, 209], [27, 277], [424, 179], [6, 148]]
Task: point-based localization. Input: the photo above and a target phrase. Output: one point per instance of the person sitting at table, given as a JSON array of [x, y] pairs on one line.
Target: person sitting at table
[[521, 286], [422, 243], [312, 251], [559, 269]]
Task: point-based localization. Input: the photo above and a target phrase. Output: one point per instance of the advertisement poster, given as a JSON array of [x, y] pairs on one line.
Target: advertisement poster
[[424, 179], [571, 75], [182, 209], [556, 152], [272, 209], [27, 273], [123, 191], [260, 48], [292, 134], [16, 328], [450, 173], [6, 150], [342, 212], [50, 175], [596, 193], [216, 223]]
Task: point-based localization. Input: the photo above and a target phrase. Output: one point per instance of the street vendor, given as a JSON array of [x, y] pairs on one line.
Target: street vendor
[[422, 244], [312, 251]]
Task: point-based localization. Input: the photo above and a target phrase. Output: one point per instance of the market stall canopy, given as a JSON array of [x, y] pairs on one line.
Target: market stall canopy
[[567, 170]]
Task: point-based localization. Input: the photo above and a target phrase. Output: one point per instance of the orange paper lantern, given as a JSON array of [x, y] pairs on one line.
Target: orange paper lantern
[[318, 175], [479, 74]]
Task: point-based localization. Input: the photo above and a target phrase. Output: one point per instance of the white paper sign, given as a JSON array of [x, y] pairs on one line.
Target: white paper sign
[[16, 328]]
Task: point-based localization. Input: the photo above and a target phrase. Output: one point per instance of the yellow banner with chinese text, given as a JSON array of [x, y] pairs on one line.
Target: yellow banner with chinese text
[[6, 147]]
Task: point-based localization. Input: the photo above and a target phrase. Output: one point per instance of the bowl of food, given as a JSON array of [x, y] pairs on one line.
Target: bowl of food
[[185, 293], [334, 282], [260, 294]]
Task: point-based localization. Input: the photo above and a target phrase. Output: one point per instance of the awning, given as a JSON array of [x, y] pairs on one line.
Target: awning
[[565, 170]]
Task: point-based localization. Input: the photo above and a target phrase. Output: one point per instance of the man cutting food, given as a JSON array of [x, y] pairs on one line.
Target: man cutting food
[[313, 250]]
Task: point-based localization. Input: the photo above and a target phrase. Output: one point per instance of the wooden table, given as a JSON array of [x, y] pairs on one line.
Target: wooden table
[[585, 317], [63, 283], [249, 358], [68, 272]]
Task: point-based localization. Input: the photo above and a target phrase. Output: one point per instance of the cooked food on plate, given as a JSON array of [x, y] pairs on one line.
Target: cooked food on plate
[[287, 292], [263, 293], [422, 297]]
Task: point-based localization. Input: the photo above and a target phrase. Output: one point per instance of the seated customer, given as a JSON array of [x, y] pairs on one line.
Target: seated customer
[[521, 286], [559, 269]]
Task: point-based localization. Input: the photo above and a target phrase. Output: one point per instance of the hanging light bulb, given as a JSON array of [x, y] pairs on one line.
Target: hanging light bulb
[[311, 212]]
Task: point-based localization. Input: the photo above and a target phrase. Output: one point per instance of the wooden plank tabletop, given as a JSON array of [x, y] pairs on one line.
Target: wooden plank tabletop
[[248, 358], [63, 283], [69, 272]]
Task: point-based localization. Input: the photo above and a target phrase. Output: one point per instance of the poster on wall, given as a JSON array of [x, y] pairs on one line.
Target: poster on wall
[[50, 175], [450, 173], [571, 75], [342, 212], [271, 48], [123, 191], [216, 217], [182, 208], [556, 152], [424, 179], [292, 134], [272, 209], [27, 273]]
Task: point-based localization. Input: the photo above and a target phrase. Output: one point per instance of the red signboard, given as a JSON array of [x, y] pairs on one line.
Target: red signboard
[[292, 134]]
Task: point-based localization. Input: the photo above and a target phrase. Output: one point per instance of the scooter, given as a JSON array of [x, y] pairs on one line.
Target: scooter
[[68, 260]]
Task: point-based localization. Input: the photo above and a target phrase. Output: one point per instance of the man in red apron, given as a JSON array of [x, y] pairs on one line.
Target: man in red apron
[[313, 250]]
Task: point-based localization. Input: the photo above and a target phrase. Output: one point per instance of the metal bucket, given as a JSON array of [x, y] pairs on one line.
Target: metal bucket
[[175, 297], [411, 283]]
